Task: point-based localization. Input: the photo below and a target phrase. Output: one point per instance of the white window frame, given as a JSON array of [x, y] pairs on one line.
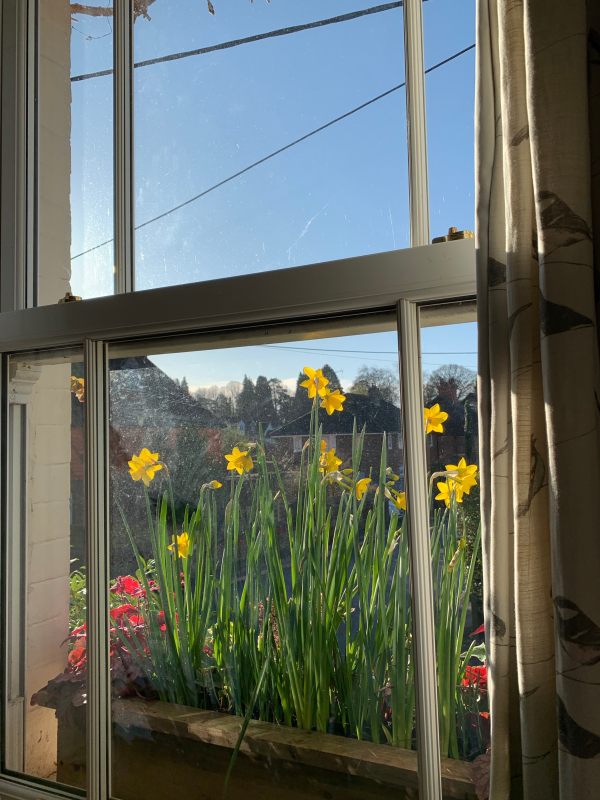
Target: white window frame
[[402, 281]]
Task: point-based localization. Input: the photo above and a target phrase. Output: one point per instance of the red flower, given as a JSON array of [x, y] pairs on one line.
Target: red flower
[[125, 584], [120, 611], [477, 631], [475, 677], [77, 657], [162, 623]]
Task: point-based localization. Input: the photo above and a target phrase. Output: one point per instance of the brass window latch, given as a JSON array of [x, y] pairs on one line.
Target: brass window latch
[[453, 235], [69, 298]]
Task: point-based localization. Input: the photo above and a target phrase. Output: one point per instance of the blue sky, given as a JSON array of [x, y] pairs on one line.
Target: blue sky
[[198, 120]]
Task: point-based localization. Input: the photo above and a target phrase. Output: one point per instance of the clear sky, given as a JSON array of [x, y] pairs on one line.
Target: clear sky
[[343, 192]]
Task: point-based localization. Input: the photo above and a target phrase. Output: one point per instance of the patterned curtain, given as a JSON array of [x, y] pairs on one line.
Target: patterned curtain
[[538, 185]]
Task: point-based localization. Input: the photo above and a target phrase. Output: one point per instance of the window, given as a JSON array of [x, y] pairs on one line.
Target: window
[[449, 30], [47, 547], [208, 536], [449, 358]]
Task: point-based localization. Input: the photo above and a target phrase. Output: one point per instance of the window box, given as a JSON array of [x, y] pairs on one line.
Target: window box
[[195, 748]]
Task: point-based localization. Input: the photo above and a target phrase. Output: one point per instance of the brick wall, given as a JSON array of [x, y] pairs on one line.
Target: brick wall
[[49, 410]]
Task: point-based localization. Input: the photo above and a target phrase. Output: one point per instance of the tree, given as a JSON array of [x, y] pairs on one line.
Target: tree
[[385, 380], [282, 400], [184, 385], [222, 408], [449, 384], [245, 405], [331, 375], [263, 402]]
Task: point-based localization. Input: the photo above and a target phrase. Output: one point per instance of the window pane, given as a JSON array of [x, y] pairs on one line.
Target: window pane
[[448, 29], [240, 164], [449, 353], [46, 680], [259, 564], [75, 149]]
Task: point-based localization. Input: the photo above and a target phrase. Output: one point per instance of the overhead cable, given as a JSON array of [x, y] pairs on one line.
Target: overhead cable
[[277, 152]]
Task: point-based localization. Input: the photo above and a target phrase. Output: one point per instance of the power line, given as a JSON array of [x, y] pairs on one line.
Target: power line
[[371, 352], [277, 152], [200, 51]]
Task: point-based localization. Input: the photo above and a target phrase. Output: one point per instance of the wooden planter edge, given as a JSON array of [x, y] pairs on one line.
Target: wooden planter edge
[[382, 764]]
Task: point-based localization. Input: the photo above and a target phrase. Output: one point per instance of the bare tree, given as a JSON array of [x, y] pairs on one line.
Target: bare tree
[[140, 9], [386, 380], [450, 384]]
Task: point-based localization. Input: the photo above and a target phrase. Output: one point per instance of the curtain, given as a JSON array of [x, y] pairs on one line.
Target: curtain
[[538, 189]]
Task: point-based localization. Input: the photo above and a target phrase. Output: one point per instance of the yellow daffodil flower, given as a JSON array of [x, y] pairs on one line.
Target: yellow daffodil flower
[[397, 498], [447, 490], [215, 485], [333, 401], [434, 419], [361, 487], [315, 383], [184, 545], [144, 466], [78, 387], [464, 474], [239, 460], [328, 461]]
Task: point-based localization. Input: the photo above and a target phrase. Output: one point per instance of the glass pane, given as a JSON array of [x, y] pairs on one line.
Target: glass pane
[[75, 149], [259, 564], [46, 678], [449, 353], [254, 155], [449, 28]]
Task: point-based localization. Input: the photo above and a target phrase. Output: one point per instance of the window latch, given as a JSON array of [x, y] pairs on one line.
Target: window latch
[[452, 235], [69, 298]]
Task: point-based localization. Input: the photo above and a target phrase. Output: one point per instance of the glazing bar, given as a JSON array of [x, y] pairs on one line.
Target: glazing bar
[[414, 66], [415, 471], [96, 488], [123, 146]]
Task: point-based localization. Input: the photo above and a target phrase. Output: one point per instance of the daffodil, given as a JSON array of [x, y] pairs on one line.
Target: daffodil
[[215, 485], [434, 419], [397, 498], [144, 466], [328, 461], [315, 383], [78, 387], [447, 490], [184, 546], [464, 474], [333, 401], [239, 460], [361, 487]]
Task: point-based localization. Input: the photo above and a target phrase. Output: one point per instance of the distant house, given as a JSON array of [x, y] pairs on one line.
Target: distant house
[[371, 412]]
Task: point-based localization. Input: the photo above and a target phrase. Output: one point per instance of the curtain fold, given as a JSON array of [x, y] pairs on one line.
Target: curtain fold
[[538, 190]]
